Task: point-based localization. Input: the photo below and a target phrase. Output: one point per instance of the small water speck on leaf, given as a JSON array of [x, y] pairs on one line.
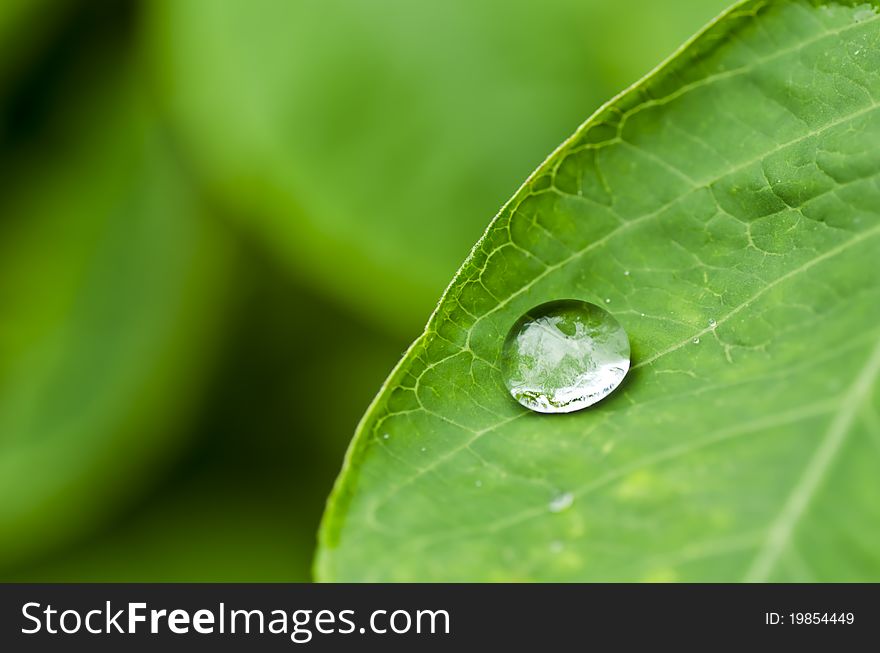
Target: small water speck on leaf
[[561, 502]]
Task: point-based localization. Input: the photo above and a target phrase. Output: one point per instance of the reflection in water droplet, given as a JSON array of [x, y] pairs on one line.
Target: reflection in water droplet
[[712, 323], [563, 356], [386, 436], [561, 502], [696, 341], [626, 273], [608, 300]]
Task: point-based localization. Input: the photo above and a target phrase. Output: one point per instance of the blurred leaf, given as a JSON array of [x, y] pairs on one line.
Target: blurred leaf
[[379, 133], [726, 208], [23, 25], [244, 502], [110, 285], [206, 530]]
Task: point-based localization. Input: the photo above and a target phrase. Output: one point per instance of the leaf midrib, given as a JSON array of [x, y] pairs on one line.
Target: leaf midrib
[[781, 529]]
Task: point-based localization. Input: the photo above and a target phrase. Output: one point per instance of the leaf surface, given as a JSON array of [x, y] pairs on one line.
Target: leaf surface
[[726, 210]]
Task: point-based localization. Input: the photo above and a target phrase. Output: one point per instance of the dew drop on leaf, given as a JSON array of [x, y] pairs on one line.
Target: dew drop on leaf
[[561, 502], [563, 356]]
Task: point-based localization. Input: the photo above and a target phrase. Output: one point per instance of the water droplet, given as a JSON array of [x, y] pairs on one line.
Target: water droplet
[[696, 341], [626, 273], [563, 356], [478, 483], [386, 436], [561, 502], [607, 300], [712, 323], [556, 546], [424, 448], [643, 315]]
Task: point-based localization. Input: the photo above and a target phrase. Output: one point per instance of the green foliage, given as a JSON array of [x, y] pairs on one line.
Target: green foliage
[[22, 25], [129, 441], [727, 206], [383, 132], [109, 274]]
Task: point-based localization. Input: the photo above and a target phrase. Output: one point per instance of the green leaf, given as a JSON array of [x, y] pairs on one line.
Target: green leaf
[[23, 24], [210, 530], [728, 209], [111, 291], [333, 125]]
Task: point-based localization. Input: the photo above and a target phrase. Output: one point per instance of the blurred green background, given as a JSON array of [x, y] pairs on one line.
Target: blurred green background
[[223, 221]]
